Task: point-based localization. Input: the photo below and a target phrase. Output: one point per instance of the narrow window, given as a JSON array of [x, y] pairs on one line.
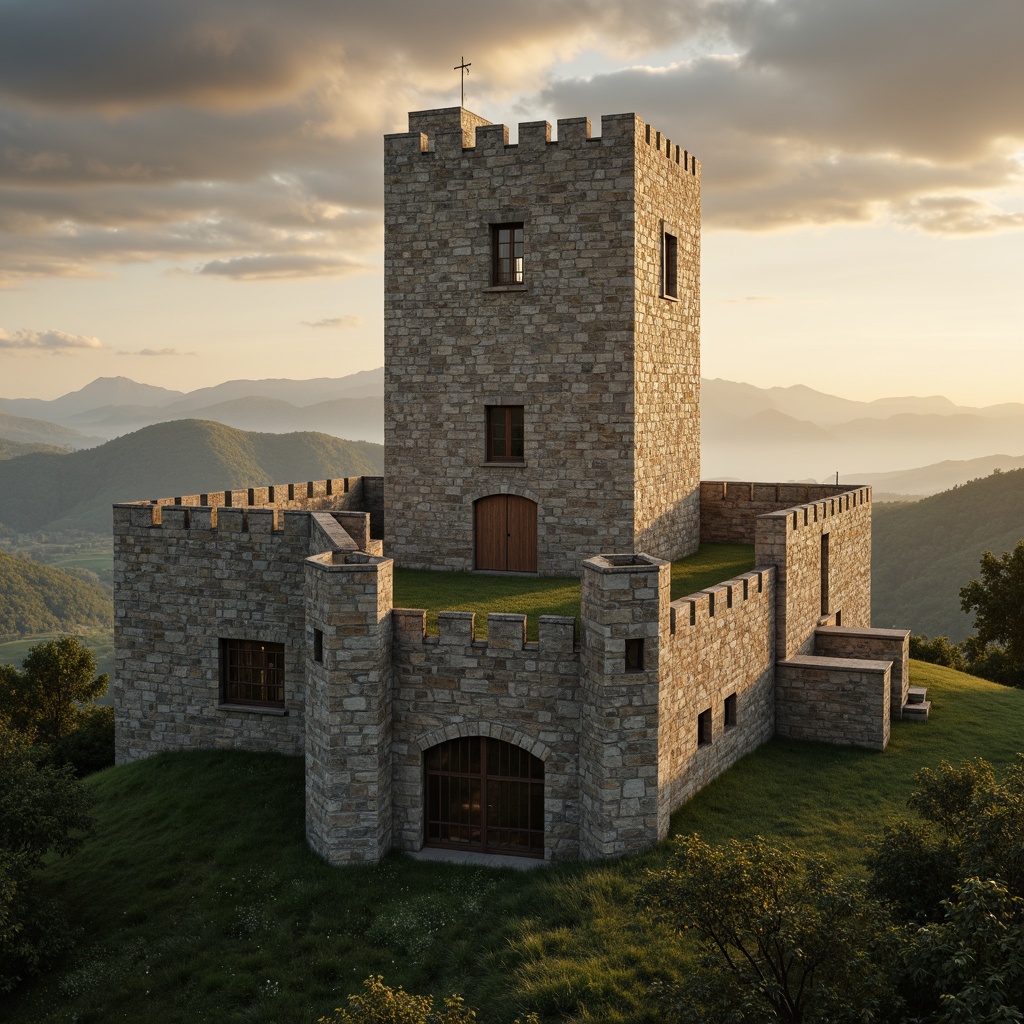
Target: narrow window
[[730, 711], [506, 254], [252, 672], [670, 266], [824, 574], [704, 728], [635, 655], [318, 645], [505, 433]]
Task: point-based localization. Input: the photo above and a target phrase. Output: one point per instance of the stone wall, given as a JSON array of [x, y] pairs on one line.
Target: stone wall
[[606, 473], [729, 508], [791, 540], [833, 700], [522, 693], [721, 646], [872, 644], [348, 706]]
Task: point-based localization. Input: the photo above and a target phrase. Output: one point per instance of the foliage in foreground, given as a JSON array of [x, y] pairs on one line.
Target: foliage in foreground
[[782, 938], [42, 809], [997, 600]]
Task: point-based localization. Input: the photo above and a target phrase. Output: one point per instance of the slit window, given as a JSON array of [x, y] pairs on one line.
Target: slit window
[[730, 711], [704, 728], [635, 654], [670, 266], [318, 645], [506, 254]]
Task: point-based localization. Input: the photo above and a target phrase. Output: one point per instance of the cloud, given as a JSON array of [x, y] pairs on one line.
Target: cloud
[[157, 352], [753, 298], [335, 322], [957, 215], [825, 111], [280, 266], [46, 341]]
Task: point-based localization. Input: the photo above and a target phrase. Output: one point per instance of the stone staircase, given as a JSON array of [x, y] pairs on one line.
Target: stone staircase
[[918, 706]]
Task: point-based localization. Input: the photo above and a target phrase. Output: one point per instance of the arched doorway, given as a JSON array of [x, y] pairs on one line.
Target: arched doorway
[[506, 533], [484, 795]]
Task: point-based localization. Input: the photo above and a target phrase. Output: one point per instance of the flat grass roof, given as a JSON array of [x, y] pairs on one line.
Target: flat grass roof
[[534, 596]]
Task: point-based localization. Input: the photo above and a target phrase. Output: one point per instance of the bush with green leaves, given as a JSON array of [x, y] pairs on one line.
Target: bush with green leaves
[[782, 938], [90, 748], [43, 809], [997, 600]]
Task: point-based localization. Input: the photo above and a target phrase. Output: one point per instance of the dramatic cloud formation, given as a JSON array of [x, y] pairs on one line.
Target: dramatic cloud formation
[[46, 341]]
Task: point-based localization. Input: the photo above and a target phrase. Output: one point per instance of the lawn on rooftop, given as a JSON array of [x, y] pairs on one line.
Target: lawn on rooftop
[[534, 596]]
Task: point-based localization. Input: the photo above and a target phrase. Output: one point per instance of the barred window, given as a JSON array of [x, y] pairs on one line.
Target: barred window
[[252, 672]]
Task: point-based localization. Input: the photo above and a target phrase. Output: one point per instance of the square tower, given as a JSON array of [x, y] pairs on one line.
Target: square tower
[[542, 343]]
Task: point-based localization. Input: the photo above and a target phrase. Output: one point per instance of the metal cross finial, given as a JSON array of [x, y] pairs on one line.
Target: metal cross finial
[[464, 68]]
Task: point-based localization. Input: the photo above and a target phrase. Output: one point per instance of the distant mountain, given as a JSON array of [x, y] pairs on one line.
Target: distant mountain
[[41, 599], [940, 476], [924, 552], [183, 457], [24, 430], [15, 449]]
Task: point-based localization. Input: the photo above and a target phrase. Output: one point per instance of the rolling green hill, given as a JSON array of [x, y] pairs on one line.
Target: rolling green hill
[[76, 490], [38, 598], [199, 899], [922, 553]]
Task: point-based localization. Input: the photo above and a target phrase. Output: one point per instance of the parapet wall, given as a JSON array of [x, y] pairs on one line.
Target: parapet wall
[[720, 648], [729, 509]]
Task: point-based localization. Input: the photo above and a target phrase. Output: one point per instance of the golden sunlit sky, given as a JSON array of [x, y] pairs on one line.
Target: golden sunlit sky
[[192, 189]]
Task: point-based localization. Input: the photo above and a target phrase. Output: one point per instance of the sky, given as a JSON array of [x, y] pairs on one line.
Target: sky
[[191, 190]]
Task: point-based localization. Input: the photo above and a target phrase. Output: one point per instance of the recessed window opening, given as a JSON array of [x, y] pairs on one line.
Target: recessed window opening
[[505, 433], [730, 711], [824, 574], [507, 254], [670, 266], [635, 654], [318, 645], [252, 672], [704, 728]]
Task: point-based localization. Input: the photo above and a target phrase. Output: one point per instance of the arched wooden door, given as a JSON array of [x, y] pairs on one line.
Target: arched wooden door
[[486, 795], [506, 533]]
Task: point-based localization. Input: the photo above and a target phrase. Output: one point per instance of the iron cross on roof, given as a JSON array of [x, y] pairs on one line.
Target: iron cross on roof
[[464, 68]]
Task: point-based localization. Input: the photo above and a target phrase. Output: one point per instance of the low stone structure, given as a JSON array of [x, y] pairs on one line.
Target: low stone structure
[[542, 416]]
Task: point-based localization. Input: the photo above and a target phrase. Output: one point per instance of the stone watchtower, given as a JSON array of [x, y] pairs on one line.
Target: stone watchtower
[[542, 343]]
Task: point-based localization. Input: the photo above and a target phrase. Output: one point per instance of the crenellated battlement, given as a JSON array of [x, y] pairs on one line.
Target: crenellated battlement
[[722, 602], [454, 132], [506, 631]]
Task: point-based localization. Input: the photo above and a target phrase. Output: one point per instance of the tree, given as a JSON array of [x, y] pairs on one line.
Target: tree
[[782, 938], [997, 600], [43, 809], [46, 698]]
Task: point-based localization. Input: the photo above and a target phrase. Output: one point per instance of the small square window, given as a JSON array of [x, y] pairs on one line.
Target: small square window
[[505, 433], [635, 655], [318, 645], [670, 266], [730, 711], [704, 728], [506, 254], [252, 672]]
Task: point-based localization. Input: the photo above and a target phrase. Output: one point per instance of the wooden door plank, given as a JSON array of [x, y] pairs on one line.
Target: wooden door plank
[[491, 530]]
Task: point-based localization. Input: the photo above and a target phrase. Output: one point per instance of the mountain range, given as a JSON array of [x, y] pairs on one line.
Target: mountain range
[[793, 433]]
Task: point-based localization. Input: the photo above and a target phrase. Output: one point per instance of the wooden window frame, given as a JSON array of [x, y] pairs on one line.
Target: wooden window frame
[[252, 673], [507, 255], [512, 419]]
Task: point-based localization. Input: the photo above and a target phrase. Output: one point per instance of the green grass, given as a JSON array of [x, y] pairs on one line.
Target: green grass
[[534, 596], [199, 900]]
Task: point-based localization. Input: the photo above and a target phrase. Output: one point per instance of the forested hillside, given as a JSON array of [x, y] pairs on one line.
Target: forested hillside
[[41, 599], [76, 490], [922, 553]]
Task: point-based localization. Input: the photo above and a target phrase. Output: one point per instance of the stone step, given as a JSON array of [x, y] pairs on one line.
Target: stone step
[[917, 712], [917, 694]]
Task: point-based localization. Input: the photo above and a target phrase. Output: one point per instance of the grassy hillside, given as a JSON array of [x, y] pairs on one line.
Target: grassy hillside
[[76, 490], [38, 598], [199, 899], [923, 553]]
